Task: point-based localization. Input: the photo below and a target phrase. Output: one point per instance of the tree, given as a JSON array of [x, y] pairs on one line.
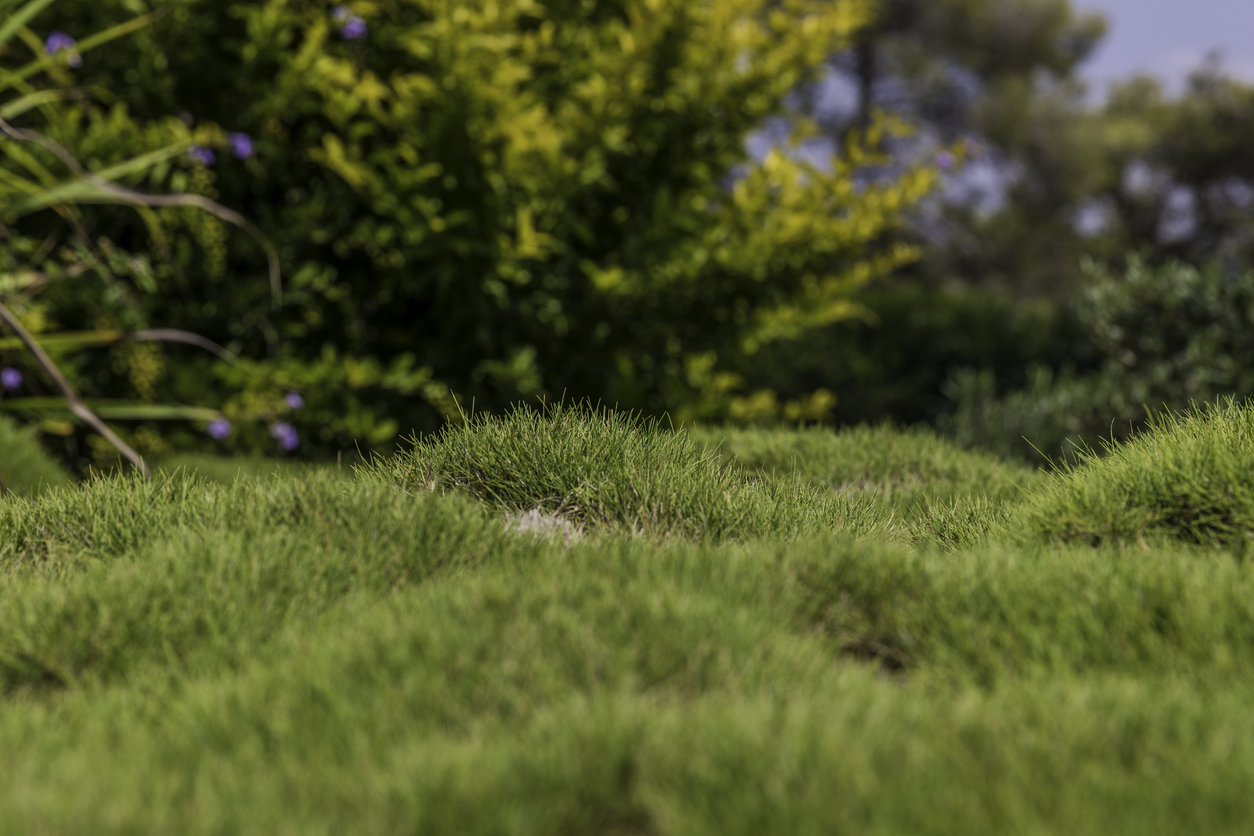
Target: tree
[[1002, 74], [1186, 182]]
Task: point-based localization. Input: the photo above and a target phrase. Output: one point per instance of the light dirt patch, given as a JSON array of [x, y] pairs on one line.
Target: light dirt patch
[[545, 524]]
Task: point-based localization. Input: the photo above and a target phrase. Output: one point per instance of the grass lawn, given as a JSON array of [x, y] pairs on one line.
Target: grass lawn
[[572, 623]]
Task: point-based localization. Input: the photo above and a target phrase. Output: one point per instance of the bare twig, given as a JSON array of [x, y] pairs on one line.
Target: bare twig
[[67, 391], [176, 335], [125, 195]]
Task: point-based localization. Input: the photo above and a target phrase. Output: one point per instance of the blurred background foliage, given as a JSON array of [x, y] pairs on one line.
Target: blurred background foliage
[[486, 202], [491, 201], [999, 334]]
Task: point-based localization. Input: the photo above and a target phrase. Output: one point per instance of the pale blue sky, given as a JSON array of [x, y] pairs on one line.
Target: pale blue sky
[[1168, 38]]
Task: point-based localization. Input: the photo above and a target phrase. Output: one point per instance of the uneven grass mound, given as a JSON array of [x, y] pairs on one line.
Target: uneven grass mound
[[186, 574], [24, 465], [910, 468], [226, 470], [612, 471], [1188, 477], [311, 653]]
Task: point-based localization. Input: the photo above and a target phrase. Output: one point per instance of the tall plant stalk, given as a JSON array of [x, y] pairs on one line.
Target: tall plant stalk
[[87, 187]]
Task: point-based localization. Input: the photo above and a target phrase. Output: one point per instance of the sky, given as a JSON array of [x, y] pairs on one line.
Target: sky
[[1168, 38], [1164, 38]]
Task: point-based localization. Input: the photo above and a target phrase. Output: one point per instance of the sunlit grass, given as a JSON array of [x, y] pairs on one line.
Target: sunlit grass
[[888, 636]]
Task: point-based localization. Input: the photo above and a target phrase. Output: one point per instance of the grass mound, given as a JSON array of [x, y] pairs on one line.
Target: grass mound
[[909, 468], [1187, 477], [610, 471], [183, 573], [24, 465], [323, 652]]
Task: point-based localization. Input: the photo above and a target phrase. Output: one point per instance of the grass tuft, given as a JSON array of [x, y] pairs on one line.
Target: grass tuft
[[1187, 477], [610, 471]]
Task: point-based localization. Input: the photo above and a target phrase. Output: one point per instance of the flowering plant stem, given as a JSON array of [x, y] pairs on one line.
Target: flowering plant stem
[[92, 188], [72, 399]]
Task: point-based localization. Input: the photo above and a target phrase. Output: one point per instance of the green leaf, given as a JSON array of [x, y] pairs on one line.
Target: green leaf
[[18, 20], [66, 341], [32, 100], [80, 191], [114, 409]]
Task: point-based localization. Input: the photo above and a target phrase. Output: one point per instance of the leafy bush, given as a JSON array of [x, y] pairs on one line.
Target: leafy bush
[[1166, 335], [893, 364], [506, 199], [36, 179]]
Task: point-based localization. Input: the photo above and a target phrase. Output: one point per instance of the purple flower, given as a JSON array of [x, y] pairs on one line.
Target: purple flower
[[945, 160], [201, 154], [10, 378], [241, 145], [294, 400], [219, 428], [61, 42], [354, 30], [352, 27], [286, 435]]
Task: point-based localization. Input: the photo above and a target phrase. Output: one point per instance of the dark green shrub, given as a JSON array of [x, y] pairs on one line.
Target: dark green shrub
[[893, 364], [1167, 335]]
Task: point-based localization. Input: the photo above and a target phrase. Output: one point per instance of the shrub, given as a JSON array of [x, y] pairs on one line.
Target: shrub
[[41, 173], [1166, 335], [894, 363], [504, 199]]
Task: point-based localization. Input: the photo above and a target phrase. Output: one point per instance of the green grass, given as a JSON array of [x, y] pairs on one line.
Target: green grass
[[25, 467], [909, 469], [892, 636], [610, 472], [1187, 478], [229, 469]]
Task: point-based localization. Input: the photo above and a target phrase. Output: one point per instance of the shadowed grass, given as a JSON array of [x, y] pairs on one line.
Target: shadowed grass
[[24, 465]]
